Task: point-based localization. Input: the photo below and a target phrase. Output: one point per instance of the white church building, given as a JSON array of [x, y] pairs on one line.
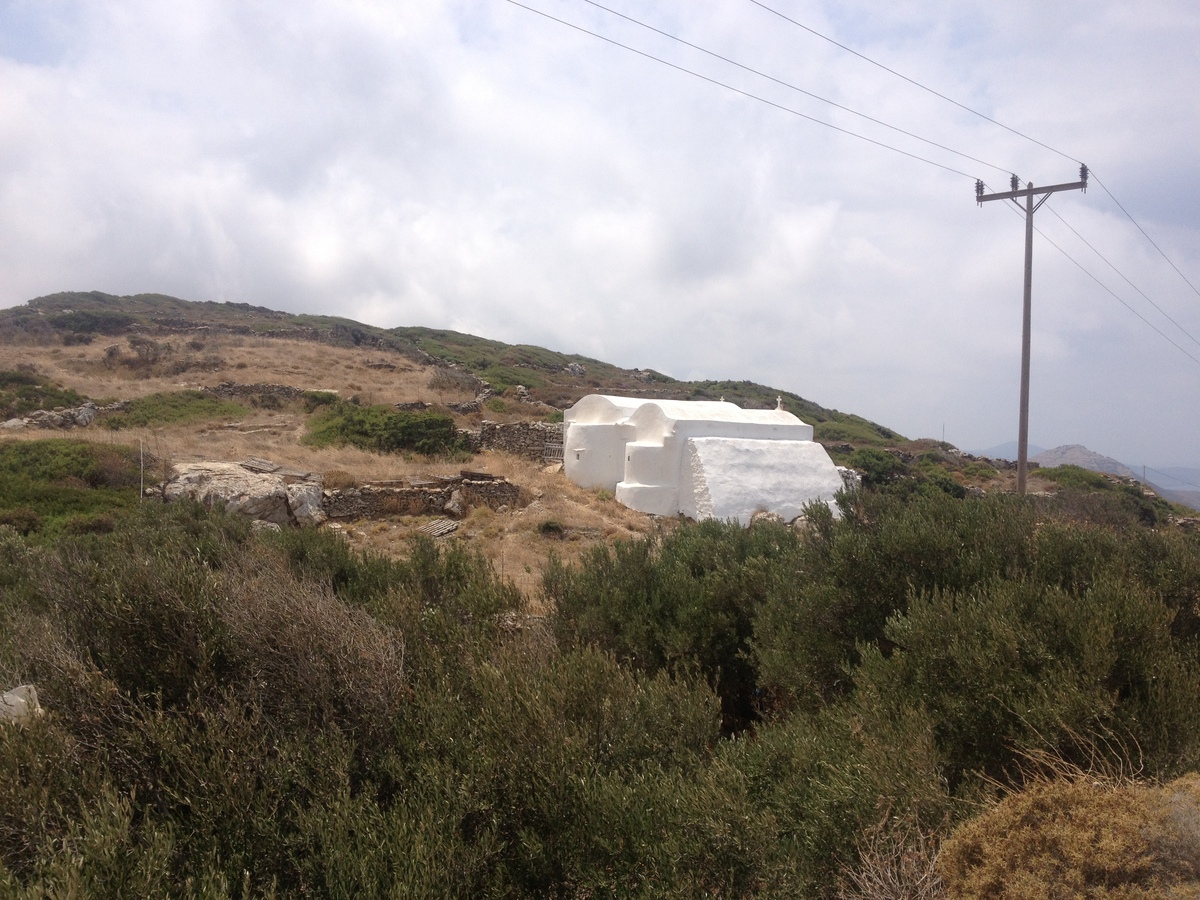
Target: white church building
[[702, 459]]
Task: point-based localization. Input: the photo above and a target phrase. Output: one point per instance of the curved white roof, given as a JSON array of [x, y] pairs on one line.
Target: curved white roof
[[603, 408]]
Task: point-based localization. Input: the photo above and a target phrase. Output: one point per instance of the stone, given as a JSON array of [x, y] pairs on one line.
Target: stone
[[763, 516], [261, 496], [85, 414], [19, 705], [454, 506], [305, 499], [13, 424]]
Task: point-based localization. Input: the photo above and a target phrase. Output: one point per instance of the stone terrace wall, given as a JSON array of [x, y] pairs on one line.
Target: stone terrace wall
[[229, 390], [374, 501], [525, 439]]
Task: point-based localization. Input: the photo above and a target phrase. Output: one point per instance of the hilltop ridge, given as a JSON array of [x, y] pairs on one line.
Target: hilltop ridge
[[551, 377]]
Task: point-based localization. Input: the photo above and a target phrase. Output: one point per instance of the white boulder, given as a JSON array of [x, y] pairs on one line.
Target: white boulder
[[264, 497]]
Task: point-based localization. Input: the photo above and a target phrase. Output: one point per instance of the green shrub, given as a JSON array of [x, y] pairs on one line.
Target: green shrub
[[24, 392], [1012, 666], [172, 408], [100, 321], [313, 400], [49, 481], [382, 429], [552, 529], [877, 467], [852, 574], [688, 598]]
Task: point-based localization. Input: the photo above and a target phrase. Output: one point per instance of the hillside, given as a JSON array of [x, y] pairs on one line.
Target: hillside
[[153, 349], [557, 379], [945, 688]]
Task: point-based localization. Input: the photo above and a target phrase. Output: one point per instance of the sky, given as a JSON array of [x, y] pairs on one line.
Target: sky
[[477, 165]]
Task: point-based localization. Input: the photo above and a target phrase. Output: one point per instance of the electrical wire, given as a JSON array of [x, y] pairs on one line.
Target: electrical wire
[[744, 93], [1114, 294], [987, 118], [1146, 236], [1122, 274], [782, 108], [913, 82], [1172, 477], [793, 87]]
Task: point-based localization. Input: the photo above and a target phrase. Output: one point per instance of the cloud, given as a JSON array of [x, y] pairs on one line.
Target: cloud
[[472, 165]]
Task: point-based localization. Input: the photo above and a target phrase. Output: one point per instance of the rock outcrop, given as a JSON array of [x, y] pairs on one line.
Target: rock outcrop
[[62, 417], [284, 499]]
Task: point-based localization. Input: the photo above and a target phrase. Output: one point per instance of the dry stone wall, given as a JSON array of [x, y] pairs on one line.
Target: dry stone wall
[[230, 390], [374, 501], [524, 439]]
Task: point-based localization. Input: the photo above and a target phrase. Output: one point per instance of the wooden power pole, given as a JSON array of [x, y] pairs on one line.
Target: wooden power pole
[[1028, 192]]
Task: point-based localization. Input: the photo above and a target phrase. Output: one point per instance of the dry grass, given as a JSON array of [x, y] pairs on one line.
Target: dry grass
[[248, 360], [898, 860], [1081, 836], [510, 539]]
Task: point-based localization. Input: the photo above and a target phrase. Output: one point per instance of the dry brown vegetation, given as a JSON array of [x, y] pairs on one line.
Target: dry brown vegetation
[[513, 540], [1081, 836]]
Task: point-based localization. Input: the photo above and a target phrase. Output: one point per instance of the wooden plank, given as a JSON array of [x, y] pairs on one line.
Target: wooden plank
[[439, 528], [262, 466]]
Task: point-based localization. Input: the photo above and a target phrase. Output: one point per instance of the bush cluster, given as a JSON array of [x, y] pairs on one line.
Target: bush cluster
[[382, 429], [24, 392], [63, 483], [712, 711]]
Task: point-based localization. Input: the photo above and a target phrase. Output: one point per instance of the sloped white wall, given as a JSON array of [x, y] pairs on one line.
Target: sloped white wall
[[729, 478]]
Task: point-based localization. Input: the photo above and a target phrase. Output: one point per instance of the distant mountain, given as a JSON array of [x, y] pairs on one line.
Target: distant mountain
[[1079, 455], [1008, 451], [1180, 484], [1175, 478]]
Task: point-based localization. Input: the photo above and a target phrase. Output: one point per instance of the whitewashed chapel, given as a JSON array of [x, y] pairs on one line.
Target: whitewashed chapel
[[703, 459]]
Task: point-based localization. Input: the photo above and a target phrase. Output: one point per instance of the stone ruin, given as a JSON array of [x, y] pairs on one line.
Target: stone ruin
[[269, 493]]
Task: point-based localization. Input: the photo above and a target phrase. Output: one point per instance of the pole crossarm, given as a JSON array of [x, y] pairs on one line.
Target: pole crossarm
[[1032, 191]]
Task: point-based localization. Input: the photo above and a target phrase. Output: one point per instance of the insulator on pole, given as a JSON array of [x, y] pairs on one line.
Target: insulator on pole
[[1016, 183], [979, 191], [1083, 174]]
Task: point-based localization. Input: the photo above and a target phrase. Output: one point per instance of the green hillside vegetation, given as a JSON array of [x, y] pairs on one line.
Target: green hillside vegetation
[[56, 484], [172, 408], [24, 392], [709, 711]]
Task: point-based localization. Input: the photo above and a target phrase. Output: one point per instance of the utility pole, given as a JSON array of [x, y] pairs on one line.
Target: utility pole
[[1028, 192]]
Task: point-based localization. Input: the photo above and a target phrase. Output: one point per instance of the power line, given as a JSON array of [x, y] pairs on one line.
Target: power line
[[1122, 274], [736, 90], [1146, 236], [885, 146], [987, 118], [1172, 477], [1115, 296], [790, 86], [911, 81]]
